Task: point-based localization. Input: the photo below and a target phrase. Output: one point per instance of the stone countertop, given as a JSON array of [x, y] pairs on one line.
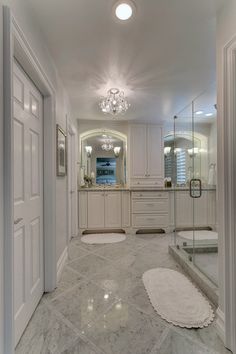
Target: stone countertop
[[137, 189]]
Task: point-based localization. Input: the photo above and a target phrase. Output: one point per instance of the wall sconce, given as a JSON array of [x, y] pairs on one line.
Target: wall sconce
[[88, 150], [176, 150], [167, 150], [117, 151], [193, 152]]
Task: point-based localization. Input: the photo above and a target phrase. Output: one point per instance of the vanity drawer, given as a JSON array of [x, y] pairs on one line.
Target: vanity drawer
[[149, 195], [147, 182], [147, 206], [156, 221]]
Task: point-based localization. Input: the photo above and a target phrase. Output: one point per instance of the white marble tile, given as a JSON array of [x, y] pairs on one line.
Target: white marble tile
[[75, 252], [207, 336], [83, 303], [82, 347], [45, 334], [69, 278], [124, 329], [175, 343], [130, 326], [116, 251], [89, 265], [114, 279]]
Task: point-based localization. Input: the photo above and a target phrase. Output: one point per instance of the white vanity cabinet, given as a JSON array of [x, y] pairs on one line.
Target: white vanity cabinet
[[112, 209], [197, 212], [150, 210], [146, 156], [104, 209], [96, 210]]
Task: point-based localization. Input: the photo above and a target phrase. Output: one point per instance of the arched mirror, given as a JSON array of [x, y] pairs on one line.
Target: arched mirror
[[179, 151], [103, 158]]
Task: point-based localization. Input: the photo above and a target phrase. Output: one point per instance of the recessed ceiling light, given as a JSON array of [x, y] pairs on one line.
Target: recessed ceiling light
[[199, 112], [209, 114], [124, 11]]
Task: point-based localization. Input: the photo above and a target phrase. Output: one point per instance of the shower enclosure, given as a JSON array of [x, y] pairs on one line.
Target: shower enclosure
[[191, 152]]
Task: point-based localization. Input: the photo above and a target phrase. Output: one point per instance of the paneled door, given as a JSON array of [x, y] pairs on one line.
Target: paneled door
[[96, 214], [112, 209], [28, 198], [155, 159]]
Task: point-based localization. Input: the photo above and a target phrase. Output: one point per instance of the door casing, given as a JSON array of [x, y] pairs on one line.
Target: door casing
[[15, 45]]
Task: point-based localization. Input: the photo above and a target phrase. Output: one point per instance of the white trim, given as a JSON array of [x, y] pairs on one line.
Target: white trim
[[16, 45], [61, 263], [220, 324], [227, 194]]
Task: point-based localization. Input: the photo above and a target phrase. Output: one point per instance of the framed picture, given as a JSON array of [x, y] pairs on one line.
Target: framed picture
[[61, 152]]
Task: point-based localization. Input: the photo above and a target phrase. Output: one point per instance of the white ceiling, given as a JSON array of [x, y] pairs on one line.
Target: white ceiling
[[162, 58]]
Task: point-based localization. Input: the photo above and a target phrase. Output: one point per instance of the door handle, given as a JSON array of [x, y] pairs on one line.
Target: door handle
[[195, 186], [17, 221]]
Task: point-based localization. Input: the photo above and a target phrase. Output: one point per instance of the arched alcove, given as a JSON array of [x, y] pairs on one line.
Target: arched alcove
[[103, 156]]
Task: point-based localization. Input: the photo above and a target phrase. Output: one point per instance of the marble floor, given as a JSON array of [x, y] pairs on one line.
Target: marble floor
[[208, 264], [101, 307]]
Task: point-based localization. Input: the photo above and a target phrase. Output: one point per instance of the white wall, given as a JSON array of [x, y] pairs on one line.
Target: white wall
[[226, 30], [28, 24]]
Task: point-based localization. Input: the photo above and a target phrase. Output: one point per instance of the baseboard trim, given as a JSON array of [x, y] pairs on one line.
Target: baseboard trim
[[61, 263], [220, 324]]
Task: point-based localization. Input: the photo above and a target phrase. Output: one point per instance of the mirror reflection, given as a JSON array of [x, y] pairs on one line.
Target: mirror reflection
[[103, 158]]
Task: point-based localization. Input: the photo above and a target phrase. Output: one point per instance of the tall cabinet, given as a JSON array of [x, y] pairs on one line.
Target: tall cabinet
[[146, 156]]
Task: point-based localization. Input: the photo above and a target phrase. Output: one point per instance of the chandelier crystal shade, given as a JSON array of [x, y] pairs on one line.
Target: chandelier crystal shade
[[114, 103], [107, 146]]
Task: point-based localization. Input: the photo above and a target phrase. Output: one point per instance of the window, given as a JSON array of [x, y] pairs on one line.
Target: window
[[181, 167], [105, 170]]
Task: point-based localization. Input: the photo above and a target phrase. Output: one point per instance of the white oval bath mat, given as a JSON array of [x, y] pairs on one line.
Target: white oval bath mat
[[93, 239], [199, 235], [176, 299]]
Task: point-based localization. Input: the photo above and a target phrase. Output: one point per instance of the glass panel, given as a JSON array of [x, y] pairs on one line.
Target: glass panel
[[182, 145], [204, 156]]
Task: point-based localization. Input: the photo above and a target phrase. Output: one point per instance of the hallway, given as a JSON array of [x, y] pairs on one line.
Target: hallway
[[100, 306]]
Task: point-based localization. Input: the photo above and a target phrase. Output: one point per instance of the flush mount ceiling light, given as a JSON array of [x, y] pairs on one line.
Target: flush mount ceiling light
[[209, 114], [114, 103], [123, 10]]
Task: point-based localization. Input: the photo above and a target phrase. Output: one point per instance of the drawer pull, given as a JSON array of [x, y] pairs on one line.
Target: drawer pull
[[150, 204], [150, 219]]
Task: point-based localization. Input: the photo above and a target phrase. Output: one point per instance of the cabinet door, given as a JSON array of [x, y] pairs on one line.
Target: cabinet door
[[200, 210], [83, 210], [138, 151], [125, 209], [155, 156], [96, 215], [184, 209], [113, 209]]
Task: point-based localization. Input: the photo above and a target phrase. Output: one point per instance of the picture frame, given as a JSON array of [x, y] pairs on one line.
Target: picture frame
[[61, 147]]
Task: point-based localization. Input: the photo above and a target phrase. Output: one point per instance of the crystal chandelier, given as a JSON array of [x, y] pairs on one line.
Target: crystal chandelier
[[114, 103], [107, 146]]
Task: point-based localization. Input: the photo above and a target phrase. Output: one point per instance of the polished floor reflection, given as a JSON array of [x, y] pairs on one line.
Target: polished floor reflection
[[100, 306]]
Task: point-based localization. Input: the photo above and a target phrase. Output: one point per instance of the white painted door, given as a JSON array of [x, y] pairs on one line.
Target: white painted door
[[113, 209], [138, 151], [126, 209], [83, 210], [96, 214], [155, 156], [28, 198]]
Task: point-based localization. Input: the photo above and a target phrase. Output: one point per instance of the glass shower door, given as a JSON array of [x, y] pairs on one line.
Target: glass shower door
[[183, 175], [203, 185]]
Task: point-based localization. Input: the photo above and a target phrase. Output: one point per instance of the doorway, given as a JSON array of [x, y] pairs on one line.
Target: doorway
[[42, 276], [28, 198]]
